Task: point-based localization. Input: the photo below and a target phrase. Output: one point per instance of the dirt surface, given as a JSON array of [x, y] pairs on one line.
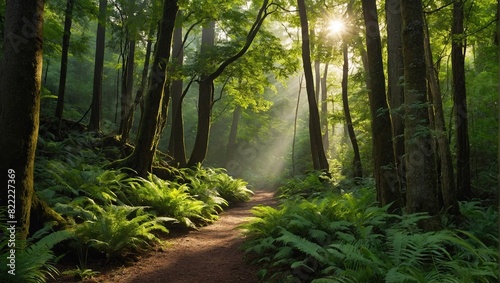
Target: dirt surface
[[209, 255]]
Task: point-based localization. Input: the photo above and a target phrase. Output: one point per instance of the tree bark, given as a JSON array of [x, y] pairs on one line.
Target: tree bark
[[205, 101], [383, 155], [448, 188], [20, 82], [96, 111], [141, 159], [317, 150], [126, 117], [395, 89], [68, 19], [139, 96], [356, 163], [460, 102], [176, 143], [324, 110], [421, 192], [231, 143]]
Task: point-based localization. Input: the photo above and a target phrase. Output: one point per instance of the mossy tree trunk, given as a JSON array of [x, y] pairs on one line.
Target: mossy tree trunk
[[383, 154], [20, 82], [141, 159], [421, 192]]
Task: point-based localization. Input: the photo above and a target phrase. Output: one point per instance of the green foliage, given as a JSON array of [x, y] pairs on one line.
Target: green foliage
[[345, 237], [118, 230], [81, 274], [170, 199], [305, 186], [34, 259], [218, 182]]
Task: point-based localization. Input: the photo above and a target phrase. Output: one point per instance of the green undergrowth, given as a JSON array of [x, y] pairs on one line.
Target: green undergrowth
[[337, 233], [111, 214]]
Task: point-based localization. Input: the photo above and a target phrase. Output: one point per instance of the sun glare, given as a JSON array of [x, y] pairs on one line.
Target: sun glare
[[336, 26]]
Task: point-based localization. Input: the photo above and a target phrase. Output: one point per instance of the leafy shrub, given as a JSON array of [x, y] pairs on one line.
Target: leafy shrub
[[218, 182], [347, 238], [118, 230], [305, 186], [169, 199]]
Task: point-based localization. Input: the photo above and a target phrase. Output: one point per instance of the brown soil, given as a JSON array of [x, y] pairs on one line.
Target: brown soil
[[210, 255]]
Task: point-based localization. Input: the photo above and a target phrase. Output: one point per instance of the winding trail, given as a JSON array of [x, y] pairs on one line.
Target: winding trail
[[209, 255]]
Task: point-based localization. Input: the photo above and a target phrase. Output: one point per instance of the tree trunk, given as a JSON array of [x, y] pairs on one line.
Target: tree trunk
[[357, 169], [460, 102], [127, 108], [68, 19], [176, 142], [205, 101], [318, 153], [141, 159], [448, 189], [96, 111], [324, 110], [383, 155], [421, 192], [395, 89], [295, 125], [20, 82], [231, 144], [144, 78], [206, 91]]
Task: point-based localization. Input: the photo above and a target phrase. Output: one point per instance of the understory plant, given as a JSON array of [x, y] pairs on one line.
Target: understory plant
[[34, 259], [119, 230], [346, 237]]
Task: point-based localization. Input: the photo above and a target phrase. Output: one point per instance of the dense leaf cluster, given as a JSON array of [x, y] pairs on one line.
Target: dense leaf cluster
[[111, 214], [339, 235]]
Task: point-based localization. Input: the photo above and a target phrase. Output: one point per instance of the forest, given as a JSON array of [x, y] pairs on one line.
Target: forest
[[374, 123]]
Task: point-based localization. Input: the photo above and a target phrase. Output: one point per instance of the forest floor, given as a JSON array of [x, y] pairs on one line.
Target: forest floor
[[211, 254]]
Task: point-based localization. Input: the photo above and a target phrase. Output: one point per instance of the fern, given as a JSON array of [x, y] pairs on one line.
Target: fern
[[34, 257], [119, 230], [346, 238]]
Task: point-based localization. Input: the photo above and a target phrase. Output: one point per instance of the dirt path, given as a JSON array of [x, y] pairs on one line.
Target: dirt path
[[209, 255]]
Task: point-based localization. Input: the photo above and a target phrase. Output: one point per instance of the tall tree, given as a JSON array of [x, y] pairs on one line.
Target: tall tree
[[206, 89], [318, 152], [460, 101], [356, 163], [383, 154], [96, 110], [205, 100], [176, 146], [447, 179], [68, 19], [126, 117], [395, 72], [421, 192], [324, 109], [141, 159], [20, 82]]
